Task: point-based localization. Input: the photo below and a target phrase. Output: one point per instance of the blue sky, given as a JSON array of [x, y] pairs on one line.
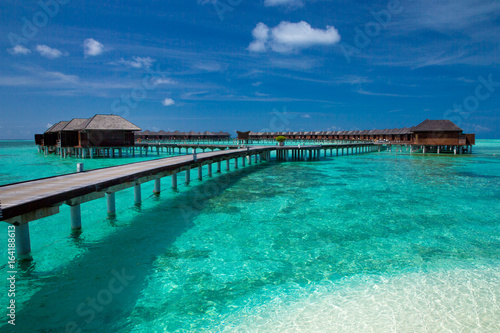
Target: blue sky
[[271, 65]]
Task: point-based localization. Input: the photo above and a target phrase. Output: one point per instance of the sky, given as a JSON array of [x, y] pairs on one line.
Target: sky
[[263, 65]]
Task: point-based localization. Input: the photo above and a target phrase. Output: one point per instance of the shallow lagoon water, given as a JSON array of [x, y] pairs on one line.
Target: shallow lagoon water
[[367, 243]]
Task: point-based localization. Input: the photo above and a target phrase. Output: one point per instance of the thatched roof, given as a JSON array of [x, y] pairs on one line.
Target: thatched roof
[[108, 122], [75, 124], [57, 127], [443, 125]]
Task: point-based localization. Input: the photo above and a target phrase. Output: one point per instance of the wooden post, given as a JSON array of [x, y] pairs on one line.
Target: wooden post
[[236, 163], [187, 175], [137, 194], [174, 180], [76, 217], [227, 165], [157, 186], [209, 166], [218, 166], [111, 203], [23, 243], [200, 172]]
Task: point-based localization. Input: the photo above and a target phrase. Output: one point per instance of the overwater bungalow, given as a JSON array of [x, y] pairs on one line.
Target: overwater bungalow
[[80, 136]]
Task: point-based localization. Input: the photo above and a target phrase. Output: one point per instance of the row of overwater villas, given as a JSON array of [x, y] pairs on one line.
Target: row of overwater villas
[[397, 134], [115, 131], [428, 133], [177, 135]]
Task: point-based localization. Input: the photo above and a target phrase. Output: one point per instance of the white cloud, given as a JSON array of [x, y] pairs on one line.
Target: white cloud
[[289, 37], [138, 62], [260, 34], [168, 102], [19, 49], [91, 47], [162, 80], [287, 3], [48, 52], [208, 66]]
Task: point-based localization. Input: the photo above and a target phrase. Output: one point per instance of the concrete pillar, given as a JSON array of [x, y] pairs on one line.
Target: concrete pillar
[[111, 203], [236, 163], [227, 165], [243, 160], [249, 158], [255, 158], [76, 217], [424, 149], [174, 180], [188, 176], [218, 166], [157, 187], [455, 150], [137, 194], [439, 149], [23, 244], [209, 167], [200, 172]]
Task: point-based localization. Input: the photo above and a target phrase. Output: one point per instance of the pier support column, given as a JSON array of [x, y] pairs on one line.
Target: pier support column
[[243, 160], [23, 243], [137, 194], [157, 188], [209, 166], [187, 175], [236, 163], [255, 158], [218, 166], [174, 180], [76, 217], [227, 165], [200, 172], [249, 158], [111, 203]]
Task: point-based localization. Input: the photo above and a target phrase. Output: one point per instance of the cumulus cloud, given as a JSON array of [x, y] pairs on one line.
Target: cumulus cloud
[[168, 102], [289, 37], [138, 62], [260, 34], [91, 47], [48, 52], [287, 3], [19, 49]]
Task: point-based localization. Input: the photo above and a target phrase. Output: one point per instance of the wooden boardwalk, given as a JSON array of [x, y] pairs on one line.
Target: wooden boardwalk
[[31, 200]]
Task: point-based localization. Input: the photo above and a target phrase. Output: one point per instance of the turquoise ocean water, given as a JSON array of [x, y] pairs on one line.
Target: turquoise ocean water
[[376, 242]]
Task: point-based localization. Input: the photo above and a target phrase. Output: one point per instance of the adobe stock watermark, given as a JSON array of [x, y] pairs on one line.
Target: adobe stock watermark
[[223, 6], [280, 121], [48, 10], [372, 29], [88, 309], [122, 106], [484, 89], [11, 293]]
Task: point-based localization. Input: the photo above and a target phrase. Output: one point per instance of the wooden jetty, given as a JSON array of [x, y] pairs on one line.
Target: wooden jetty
[[24, 202]]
